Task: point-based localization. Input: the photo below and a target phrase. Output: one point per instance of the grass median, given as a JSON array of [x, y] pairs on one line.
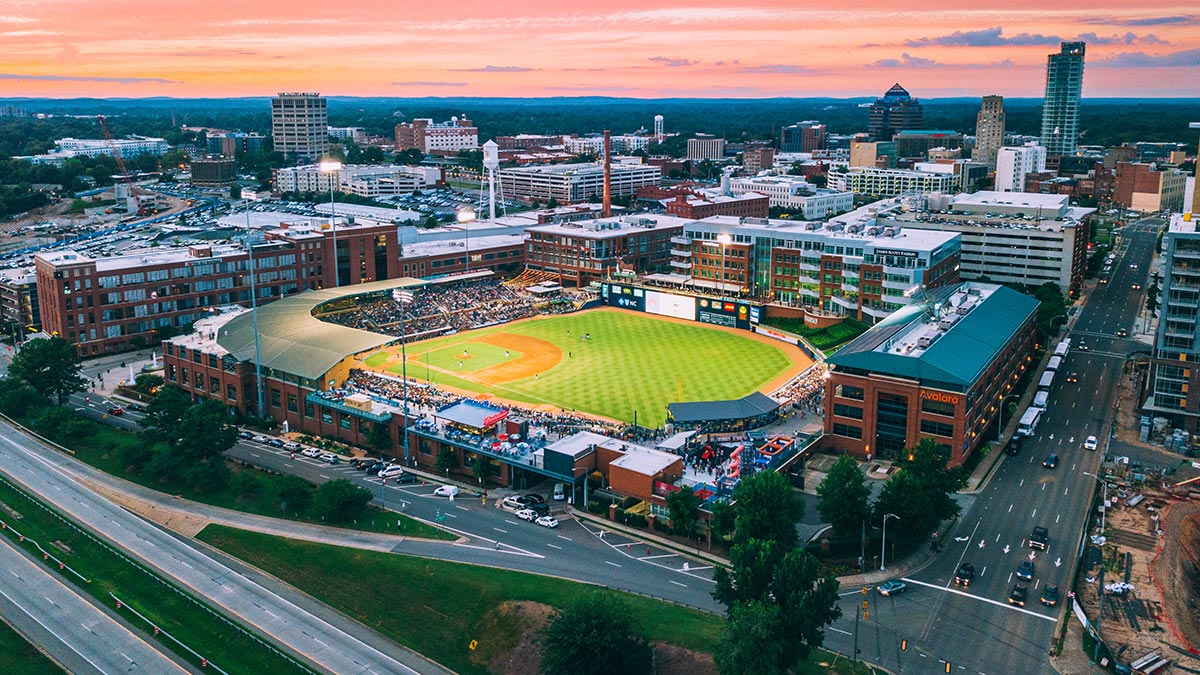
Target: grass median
[[169, 609], [438, 608], [250, 490], [21, 656]]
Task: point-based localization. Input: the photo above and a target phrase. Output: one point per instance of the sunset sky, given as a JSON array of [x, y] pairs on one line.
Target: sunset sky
[[655, 48]]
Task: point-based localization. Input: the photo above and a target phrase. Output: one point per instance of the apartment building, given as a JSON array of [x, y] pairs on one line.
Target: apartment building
[[586, 251], [300, 125], [1013, 164], [568, 183], [1174, 377], [702, 148], [796, 194], [889, 182], [362, 180], [1149, 188], [446, 138]]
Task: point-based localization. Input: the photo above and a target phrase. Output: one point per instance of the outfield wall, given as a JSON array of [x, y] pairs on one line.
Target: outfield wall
[[734, 313]]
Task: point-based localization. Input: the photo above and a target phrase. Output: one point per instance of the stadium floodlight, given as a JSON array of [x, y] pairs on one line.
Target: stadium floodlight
[[331, 167], [403, 297]]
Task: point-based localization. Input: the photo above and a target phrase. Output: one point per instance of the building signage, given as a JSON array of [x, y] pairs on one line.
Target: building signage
[[895, 252], [939, 396]]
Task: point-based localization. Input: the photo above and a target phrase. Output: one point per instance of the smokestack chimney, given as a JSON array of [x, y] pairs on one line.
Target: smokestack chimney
[[607, 210]]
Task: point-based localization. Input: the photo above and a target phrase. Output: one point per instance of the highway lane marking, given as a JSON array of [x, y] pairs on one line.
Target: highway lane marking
[[555, 547], [500, 530], [1034, 515], [997, 537], [255, 454], [1056, 518], [511, 522], [665, 555], [1066, 490], [1022, 483], [839, 630], [997, 603], [1010, 508], [462, 508], [567, 538], [677, 583], [609, 562], [1044, 486]]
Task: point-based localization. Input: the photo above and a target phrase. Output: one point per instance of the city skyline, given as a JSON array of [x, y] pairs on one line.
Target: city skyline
[[66, 48]]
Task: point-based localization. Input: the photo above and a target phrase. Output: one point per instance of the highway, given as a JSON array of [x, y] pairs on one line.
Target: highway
[[74, 632], [975, 629], [48, 474]]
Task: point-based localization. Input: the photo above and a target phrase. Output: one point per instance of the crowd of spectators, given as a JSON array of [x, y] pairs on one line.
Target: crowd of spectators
[[806, 393]]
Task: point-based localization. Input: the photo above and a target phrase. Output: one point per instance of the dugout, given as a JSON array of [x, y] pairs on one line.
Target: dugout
[[748, 412]]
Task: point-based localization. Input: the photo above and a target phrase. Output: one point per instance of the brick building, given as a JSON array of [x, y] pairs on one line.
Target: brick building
[[587, 251]]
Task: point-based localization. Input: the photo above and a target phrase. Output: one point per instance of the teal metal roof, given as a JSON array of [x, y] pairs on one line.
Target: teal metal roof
[[959, 357]]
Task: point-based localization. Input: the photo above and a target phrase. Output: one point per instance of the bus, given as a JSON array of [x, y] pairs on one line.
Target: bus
[[1046, 381], [1063, 347], [1055, 362], [1029, 421], [1041, 399]]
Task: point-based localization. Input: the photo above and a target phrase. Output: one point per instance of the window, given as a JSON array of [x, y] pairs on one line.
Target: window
[[891, 425], [230, 392], [344, 422], [936, 428], [854, 412], [274, 398], [309, 410], [846, 391], [847, 430], [326, 417], [293, 404], [937, 407]]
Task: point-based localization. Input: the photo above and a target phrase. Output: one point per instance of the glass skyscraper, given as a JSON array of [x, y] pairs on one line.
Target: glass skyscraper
[[1060, 109]]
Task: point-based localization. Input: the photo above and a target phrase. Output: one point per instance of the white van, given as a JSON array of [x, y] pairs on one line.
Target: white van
[[391, 471], [1029, 421], [559, 492]]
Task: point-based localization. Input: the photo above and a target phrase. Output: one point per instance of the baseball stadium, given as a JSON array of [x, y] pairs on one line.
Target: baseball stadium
[[477, 359]]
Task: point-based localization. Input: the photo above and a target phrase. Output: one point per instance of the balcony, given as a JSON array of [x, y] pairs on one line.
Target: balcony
[[317, 399], [526, 455], [681, 252], [682, 241], [681, 265]]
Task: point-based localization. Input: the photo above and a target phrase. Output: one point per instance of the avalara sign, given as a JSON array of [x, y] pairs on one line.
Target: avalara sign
[[939, 396]]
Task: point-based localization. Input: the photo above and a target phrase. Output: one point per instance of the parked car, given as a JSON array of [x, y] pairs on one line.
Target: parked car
[[329, 458], [450, 491], [1091, 443], [292, 446], [276, 442], [391, 471], [1050, 595], [1051, 461], [1013, 447], [258, 438], [1025, 570], [540, 509], [891, 587], [513, 503], [547, 521], [964, 575], [136, 407], [374, 469], [534, 498], [526, 514], [310, 452], [245, 435], [406, 478], [1019, 594]]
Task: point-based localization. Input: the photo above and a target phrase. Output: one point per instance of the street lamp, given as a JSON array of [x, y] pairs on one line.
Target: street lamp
[[331, 167], [883, 544], [724, 240], [1104, 507], [1000, 415], [402, 298], [1052, 319]]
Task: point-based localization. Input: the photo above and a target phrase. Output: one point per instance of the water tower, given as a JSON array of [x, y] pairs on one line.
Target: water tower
[[491, 162], [658, 128]]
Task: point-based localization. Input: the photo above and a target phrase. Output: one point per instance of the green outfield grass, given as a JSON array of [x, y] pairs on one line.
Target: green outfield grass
[[632, 362]]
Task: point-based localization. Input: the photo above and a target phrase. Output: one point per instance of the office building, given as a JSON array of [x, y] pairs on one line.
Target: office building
[[1014, 164], [969, 174], [569, 183], [233, 144], [212, 171], [1007, 237], [862, 272], [916, 143], [795, 194], [1174, 375], [1060, 108], [444, 138], [1195, 180], [938, 369], [527, 141], [373, 180], [594, 145], [873, 154], [355, 134], [896, 111], [890, 182], [757, 159], [702, 148], [19, 311], [697, 203], [585, 251], [803, 137], [989, 130], [1149, 188], [300, 125], [116, 303]]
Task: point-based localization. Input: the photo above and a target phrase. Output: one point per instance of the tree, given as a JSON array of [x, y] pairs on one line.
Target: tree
[[16, 397], [683, 508], [920, 492], [594, 635], [50, 367], [776, 599], [295, 493], [146, 383], [483, 469], [380, 438], [446, 461], [340, 500], [204, 435], [767, 508], [165, 412], [722, 521], [843, 497]]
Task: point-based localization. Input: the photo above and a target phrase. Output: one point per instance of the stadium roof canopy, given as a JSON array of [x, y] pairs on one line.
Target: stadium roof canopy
[[747, 407], [291, 340]]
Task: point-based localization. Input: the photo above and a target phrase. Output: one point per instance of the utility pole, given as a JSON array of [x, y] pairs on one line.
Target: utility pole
[[1100, 612]]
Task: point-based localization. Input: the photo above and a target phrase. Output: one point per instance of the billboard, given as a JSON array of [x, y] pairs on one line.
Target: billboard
[[667, 304], [732, 313], [625, 297]]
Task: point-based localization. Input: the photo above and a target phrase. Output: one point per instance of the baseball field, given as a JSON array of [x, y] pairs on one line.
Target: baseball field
[[606, 362]]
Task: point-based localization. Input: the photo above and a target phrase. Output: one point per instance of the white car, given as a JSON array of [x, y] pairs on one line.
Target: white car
[[450, 491], [547, 521], [391, 471], [513, 503], [259, 438], [527, 514], [292, 446], [329, 458], [1091, 443], [310, 452]]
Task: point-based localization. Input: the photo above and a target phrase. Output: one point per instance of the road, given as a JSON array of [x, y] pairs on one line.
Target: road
[[73, 631], [975, 629], [48, 474]]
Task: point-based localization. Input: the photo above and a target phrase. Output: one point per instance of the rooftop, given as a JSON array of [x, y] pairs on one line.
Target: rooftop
[[204, 332], [645, 461], [590, 168], [947, 339], [601, 228], [422, 249], [909, 239]]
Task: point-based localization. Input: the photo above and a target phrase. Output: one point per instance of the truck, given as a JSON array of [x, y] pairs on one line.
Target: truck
[[1029, 421], [1039, 538]]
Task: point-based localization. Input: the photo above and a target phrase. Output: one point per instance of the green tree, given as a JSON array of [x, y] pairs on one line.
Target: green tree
[[50, 367], [205, 433], [842, 497], [146, 383], [62, 425], [340, 500], [165, 413], [594, 635], [767, 508], [446, 461], [723, 520], [749, 643], [380, 438], [483, 469], [294, 493], [920, 493], [683, 508], [16, 397]]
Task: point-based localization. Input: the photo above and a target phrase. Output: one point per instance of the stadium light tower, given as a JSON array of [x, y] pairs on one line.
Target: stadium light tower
[[332, 167], [724, 240], [254, 312], [403, 298], [465, 215]]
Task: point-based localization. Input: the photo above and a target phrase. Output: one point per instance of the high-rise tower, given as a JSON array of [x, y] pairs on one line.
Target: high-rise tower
[[989, 130], [1060, 109], [896, 111], [300, 125]]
